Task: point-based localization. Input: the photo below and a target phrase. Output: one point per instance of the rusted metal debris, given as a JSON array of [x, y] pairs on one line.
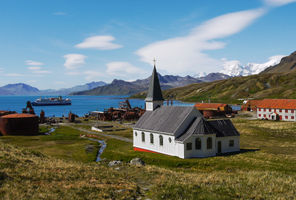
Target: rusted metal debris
[[124, 112]]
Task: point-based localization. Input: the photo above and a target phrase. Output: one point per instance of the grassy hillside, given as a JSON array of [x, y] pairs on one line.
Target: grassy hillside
[[287, 64], [230, 90], [264, 170]]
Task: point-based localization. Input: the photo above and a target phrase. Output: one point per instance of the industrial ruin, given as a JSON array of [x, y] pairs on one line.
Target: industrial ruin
[[124, 112], [19, 124]]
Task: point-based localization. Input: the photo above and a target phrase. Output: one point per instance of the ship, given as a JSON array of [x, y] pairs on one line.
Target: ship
[[53, 101]]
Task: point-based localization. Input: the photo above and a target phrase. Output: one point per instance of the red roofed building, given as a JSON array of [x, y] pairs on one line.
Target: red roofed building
[[251, 105], [277, 109], [210, 110]]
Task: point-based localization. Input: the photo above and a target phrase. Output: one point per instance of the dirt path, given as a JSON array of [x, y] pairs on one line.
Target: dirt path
[[97, 133]]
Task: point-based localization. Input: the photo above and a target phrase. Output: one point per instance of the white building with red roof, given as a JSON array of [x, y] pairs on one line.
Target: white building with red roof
[[277, 109]]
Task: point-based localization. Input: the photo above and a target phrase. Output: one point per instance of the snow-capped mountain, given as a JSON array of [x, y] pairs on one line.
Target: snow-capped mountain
[[235, 68]]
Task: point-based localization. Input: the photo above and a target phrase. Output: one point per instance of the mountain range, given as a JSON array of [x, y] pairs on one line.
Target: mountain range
[[120, 87], [235, 68], [25, 89], [287, 64], [274, 82]]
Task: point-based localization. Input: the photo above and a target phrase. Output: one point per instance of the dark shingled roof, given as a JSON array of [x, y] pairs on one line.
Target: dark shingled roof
[[165, 119], [221, 128], [224, 128], [198, 126], [154, 91]]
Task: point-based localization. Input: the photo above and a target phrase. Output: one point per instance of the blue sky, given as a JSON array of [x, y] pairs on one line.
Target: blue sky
[[62, 43]]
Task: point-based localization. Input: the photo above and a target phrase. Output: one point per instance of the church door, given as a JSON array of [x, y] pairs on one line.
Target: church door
[[219, 147]]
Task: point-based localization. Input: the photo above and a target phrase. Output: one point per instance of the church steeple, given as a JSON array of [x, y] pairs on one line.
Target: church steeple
[[154, 97]]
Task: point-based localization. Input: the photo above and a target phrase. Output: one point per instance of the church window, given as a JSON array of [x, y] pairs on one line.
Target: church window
[[209, 143], [231, 143], [143, 137], [160, 140], [151, 138], [189, 146], [170, 139], [197, 143], [136, 133]]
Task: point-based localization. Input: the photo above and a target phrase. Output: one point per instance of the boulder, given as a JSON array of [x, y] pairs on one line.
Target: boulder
[[137, 162], [114, 163]]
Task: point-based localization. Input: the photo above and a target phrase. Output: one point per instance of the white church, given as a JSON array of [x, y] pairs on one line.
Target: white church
[[181, 130]]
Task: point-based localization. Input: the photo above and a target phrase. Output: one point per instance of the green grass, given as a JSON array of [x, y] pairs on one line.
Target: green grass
[[264, 170], [64, 143]]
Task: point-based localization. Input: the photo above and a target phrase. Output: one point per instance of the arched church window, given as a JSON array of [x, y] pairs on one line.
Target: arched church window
[[151, 138], [170, 139], [143, 137], [161, 140], [209, 143], [197, 143]]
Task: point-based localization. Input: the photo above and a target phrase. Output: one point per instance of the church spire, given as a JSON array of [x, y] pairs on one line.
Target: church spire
[[154, 91]]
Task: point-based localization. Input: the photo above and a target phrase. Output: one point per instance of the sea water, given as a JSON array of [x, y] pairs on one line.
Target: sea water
[[81, 105]]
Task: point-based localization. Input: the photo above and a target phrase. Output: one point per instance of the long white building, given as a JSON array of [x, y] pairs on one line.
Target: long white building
[[277, 109], [181, 131]]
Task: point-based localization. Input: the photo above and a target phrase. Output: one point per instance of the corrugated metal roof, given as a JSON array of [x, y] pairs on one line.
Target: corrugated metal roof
[[21, 115], [154, 91], [277, 103], [209, 106], [165, 119]]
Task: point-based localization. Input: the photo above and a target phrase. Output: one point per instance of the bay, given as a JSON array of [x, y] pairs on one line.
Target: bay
[[80, 104]]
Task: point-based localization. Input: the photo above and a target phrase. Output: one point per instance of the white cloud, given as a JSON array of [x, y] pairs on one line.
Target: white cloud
[[278, 2], [37, 70], [73, 61], [186, 54], [123, 69], [34, 68], [41, 72], [101, 42], [33, 63], [14, 75], [92, 75]]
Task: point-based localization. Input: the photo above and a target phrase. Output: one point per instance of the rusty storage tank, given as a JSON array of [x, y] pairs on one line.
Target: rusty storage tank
[[6, 112], [19, 124]]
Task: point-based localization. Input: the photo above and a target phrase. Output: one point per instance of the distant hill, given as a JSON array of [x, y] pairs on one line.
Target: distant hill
[[18, 89], [67, 91], [231, 90], [120, 87], [25, 89], [117, 87], [287, 64]]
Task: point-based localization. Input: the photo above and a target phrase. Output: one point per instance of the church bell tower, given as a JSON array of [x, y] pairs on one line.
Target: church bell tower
[[154, 97]]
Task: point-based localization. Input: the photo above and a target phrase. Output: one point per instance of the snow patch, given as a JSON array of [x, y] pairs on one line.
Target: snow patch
[[235, 68]]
